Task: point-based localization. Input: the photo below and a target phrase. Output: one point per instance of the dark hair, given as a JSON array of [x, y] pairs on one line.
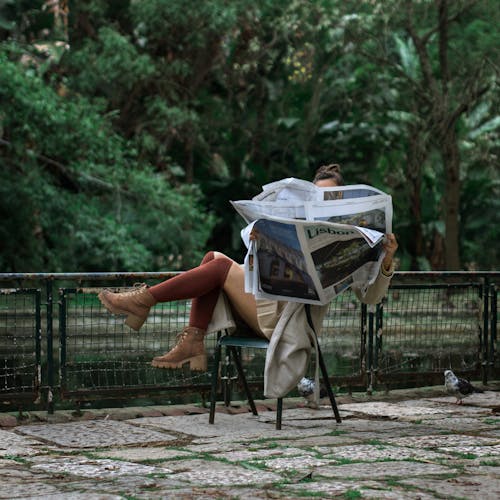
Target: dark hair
[[331, 171]]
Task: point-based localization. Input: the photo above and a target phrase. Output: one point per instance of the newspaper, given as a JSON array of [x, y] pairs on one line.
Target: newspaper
[[312, 243]]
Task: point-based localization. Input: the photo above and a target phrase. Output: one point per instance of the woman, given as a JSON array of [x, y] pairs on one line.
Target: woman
[[203, 284]]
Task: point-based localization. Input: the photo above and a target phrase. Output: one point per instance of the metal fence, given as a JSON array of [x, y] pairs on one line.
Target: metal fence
[[20, 346], [59, 345]]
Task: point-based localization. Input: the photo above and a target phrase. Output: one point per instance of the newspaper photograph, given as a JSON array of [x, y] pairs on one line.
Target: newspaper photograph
[[280, 267], [309, 244]]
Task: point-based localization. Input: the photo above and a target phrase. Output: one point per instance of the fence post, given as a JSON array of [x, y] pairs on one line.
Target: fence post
[[362, 340], [485, 342], [62, 339], [493, 325], [379, 316], [371, 315], [50, 347], [38, 343]]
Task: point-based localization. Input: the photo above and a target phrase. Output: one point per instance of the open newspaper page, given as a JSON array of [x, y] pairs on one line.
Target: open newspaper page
[[310, 262], [312, 243]]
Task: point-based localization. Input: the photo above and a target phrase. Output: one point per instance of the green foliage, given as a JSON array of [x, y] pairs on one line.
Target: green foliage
[[74, 197], [124, 132], [108, 63]]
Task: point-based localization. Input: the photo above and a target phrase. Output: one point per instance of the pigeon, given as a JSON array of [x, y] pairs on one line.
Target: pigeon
[[305, 387], [458, 387]]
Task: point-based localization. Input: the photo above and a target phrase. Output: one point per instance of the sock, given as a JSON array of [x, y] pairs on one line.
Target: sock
[[202, 307], [202, 284], [207, 258]]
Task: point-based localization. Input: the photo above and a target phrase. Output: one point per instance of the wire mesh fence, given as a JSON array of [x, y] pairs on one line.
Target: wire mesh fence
[[59, 341], [429, 328], [342, 339], [100, 353], [20, 346]]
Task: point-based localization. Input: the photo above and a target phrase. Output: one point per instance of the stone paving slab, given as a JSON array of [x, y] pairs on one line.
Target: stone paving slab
[[90, 467], [373, 453], [412, 412], [94, 434], [216, 445], [229, 427], [487, 399], [379, 470], [329, 488], [365, 489], [459, 487], [47, 492], [382, 449], [144, 453], [447, 441], [491, 432], [492, 471], [211, 493], [470, 403], [194, 471], [334, 439], [302, 464], [127, 486], [367, 428], [16, 445], [457, 423], [259, 454], [478, 451], [10, 490], [78, 496], [15, 472]]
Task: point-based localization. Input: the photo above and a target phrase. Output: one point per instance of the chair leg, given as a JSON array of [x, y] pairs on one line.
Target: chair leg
[[241, 374], [279, 413], [328, 386], [215, 375], [226, 378]]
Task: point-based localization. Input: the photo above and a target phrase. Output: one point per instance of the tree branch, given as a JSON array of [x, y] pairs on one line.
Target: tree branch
[[465, 105], [443, 45], [67, 176], [387, 62], [421, 52], [454, 17]]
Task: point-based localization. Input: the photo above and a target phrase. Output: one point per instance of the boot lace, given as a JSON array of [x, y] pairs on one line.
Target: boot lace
[[179, 338], [138, 288]]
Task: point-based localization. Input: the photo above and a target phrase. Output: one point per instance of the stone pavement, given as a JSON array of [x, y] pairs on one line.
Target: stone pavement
[[415, 444]]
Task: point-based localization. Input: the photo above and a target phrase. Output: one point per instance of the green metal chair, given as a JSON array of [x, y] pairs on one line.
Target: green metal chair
[[233, 343]]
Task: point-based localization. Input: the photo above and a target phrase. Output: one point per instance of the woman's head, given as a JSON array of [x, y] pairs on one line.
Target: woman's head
[[328, 176]]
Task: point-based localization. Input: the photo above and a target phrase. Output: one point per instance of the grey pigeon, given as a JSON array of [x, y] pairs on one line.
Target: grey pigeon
[[305, 387], [458, 387]]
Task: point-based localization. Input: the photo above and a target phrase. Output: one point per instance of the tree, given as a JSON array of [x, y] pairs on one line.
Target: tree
[[135, 108], [442, 90], [73, 193]]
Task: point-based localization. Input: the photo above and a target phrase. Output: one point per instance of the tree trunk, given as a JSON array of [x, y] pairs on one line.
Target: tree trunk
[[189, 162], [451, 163], [415, 159]]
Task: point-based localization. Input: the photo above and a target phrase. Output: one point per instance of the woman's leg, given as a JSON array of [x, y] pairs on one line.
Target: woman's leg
[[243, 303], [204, 306], [190, 346], [202, 284]]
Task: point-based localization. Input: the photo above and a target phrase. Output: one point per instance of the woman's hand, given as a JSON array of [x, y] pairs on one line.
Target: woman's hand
[[390, 246], [254, 234]]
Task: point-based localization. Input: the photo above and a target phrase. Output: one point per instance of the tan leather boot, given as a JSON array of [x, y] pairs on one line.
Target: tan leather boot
[[135, 304], [190, 348]]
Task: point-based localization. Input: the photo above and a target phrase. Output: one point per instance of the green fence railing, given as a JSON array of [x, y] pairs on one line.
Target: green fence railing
[[59, 344]]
